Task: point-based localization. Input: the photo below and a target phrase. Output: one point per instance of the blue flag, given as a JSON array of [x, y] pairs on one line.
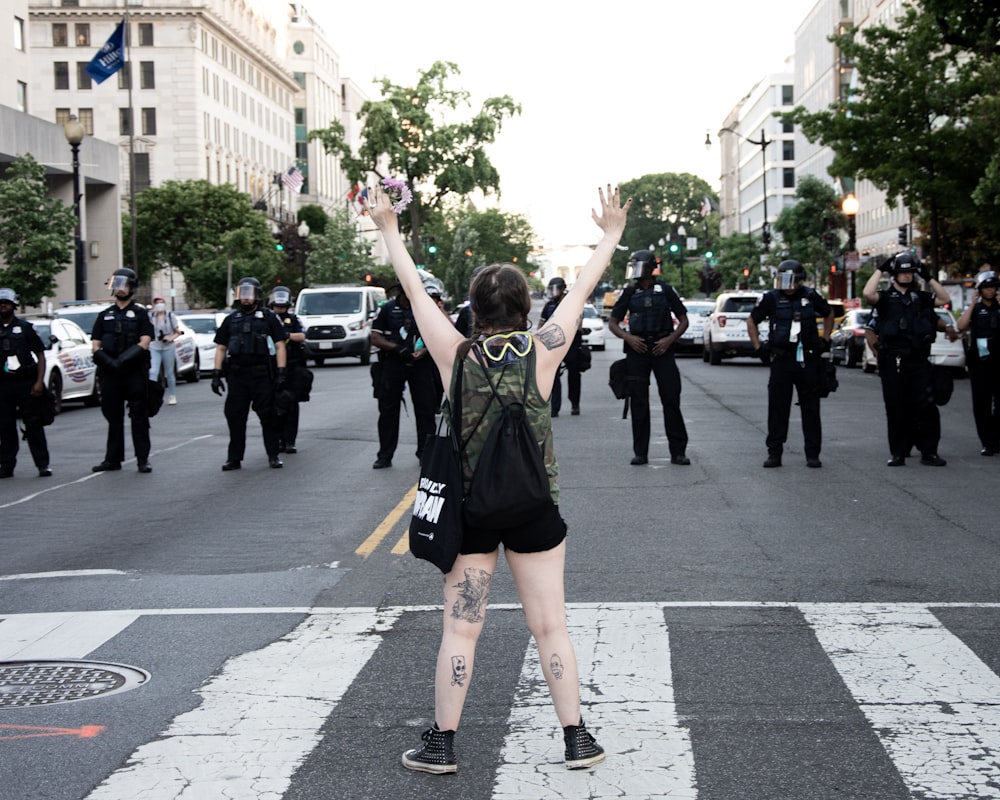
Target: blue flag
[[110, 58]]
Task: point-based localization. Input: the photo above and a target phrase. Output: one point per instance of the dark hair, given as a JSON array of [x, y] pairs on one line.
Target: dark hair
[[500, 299]]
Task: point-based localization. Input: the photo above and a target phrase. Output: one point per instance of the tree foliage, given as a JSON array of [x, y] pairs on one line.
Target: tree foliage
[[338, 255], [810, 230], [201, 230], [36, 232], [923, 124], [411, 134]]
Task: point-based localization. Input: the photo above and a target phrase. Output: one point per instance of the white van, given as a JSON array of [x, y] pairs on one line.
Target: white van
[[338, 320]]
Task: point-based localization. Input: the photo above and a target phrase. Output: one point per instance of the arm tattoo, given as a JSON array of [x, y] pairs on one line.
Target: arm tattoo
[[458, 671], [556, 666], [551, 336], [472, 595]]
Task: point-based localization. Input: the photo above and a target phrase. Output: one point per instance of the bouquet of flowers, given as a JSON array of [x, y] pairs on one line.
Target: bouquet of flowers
[[398, 192]]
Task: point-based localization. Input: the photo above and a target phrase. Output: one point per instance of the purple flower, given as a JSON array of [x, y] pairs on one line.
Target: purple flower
[[398, 192]]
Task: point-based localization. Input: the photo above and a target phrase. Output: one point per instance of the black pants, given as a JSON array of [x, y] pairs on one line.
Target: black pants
[[572, 381], [787, 373], [984, 383], [15, 395], [668, 383], [910, 413], [424, 400], [118, 390], [250, 387]]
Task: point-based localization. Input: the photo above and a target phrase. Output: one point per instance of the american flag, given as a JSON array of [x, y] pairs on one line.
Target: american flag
[[293, 180]]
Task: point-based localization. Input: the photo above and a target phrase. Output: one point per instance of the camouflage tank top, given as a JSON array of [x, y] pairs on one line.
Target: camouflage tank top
[[477, 397]]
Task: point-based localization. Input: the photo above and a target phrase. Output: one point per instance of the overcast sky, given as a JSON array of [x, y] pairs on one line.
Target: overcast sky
[[609, 91]]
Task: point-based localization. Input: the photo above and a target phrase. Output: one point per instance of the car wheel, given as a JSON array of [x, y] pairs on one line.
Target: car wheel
[[194, 374], [868, 367], [95, 396], [319, 361], [715, 357], [852, 356], [704, 354], [55, 386]]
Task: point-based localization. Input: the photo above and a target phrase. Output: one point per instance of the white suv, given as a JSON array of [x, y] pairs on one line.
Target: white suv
[[338, 320], [726, 332]]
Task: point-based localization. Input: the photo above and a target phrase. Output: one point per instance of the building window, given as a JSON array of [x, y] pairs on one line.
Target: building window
[[788, 177], [140, 175], [83, 80], [300, 79], [125, 76], [61, 69], [787, 127], [300, 116], [147, 75], [62, 116], [22, 96], [18, 33], [86, 118], [787, 94], [149, 122], [82, 34], [302, 151], [60, 38], [124, 121], [70, 3], [788, 151], [145, 34]]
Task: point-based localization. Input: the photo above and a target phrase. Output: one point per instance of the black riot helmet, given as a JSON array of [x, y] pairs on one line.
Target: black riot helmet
[[984, 280], [249, 289], [904, 262], [556, 287], [280, 296], [641, 264], [790, 274], [123, 279]]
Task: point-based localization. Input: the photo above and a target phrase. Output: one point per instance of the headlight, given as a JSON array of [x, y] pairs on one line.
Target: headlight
[[355, 326]]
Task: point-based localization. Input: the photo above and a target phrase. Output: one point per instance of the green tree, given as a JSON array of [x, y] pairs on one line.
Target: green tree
[[923, 124], [735, 253], [202, 230], [410, 135], [810, 230], [662, 204], [339, 255], [36, 232], [491, 236]]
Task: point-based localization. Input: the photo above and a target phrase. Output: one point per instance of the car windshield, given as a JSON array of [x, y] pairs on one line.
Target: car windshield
[[699, 309], [200, 324], [332, 303], [85, 319], [589, 312], [43, 329], [739, 305]]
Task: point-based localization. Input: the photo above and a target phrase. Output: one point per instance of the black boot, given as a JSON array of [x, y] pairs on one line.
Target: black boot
[[437, 754]]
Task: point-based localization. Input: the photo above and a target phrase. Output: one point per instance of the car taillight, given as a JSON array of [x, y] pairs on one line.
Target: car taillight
[[722, 321], [859, 331]]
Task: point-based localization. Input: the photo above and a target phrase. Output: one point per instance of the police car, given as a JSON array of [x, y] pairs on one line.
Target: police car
[[69, 369], [594, 331], [726, 333]]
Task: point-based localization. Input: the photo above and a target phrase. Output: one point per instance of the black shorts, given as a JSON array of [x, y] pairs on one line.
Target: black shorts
[[543, 533]]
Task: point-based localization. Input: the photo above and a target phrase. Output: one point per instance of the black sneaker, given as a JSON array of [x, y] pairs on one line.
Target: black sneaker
[[44, 472], [771, 462], [933, 460], [437, 754], [382, 463], [681, 460], [582, 750], [106, 466]]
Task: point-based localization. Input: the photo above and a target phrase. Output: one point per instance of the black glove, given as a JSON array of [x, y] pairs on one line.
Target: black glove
[[103, 360], [131, 354], [282, 381], [763, 352], [824, 345], [886, 266], [925, 273], [217, 384]]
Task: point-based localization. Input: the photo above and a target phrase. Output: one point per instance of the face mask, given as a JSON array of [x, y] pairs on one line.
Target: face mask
[[160, 307]]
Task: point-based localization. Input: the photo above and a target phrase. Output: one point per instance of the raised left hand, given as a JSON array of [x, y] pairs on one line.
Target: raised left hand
[[613, 213]]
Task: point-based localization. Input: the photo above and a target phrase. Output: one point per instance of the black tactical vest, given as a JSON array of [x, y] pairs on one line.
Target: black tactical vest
[[649, 311], [790, 309], [248, 334], [906, 327], [118, 328], [14, 342]]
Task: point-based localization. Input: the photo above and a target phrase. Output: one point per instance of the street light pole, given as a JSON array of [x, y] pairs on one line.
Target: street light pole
[[75, 132], [303, 232], [765, 228], [850, 207]]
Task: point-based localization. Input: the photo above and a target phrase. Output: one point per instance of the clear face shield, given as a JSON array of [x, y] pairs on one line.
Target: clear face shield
[[280, 297], [246, 294], [634, 270], [786, 280], [554, 291], [119, 283]]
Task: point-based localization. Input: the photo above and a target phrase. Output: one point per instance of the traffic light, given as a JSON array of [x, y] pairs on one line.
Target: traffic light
[[708, 255], [432, 249], [746, 272], [674, 247], [279, 246], [833, 269], [903, 238]]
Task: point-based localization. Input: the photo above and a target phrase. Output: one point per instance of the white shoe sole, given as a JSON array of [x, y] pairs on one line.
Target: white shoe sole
[[583, 763], [420, 766]]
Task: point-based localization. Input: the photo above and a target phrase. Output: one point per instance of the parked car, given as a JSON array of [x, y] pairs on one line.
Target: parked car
[[203, 325], [83, 314], [70, 373], [594, 329], [726, 331], [944, 353], [693, 340], [338, 320], [847, 342], [188, 363]]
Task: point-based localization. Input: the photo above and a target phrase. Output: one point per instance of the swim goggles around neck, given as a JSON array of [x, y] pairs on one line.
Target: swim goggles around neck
[[506, 346]]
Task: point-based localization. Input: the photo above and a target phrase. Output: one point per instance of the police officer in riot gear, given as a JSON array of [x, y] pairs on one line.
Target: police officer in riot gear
[[795, 346], [907, 325], [120, 341], [250, 347], [556, 291], [404, 361], [22, 383], [982, 319], [280, 303], [649, 340]]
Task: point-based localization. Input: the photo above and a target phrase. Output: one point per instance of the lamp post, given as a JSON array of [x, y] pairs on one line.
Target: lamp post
[[765, 229], [74, 131], [682, 250], [303, 232], [850, 207]]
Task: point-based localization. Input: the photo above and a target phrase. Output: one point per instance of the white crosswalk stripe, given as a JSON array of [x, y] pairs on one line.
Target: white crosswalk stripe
[[931, 701]]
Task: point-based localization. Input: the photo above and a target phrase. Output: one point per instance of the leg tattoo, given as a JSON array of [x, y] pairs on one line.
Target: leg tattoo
[[473, 593], [556, 666], [458, 671]]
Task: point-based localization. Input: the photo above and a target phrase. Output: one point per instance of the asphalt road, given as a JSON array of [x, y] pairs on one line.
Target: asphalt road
[[744, 633]]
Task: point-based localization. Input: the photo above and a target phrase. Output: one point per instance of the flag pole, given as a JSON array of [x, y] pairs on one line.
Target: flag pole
[[131, 146]]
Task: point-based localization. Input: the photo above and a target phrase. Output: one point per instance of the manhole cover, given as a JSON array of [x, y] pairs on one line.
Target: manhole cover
[[44, 683]]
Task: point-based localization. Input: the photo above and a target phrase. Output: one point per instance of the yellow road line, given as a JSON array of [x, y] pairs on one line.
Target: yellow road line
[[368, 546], [402, 547]]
